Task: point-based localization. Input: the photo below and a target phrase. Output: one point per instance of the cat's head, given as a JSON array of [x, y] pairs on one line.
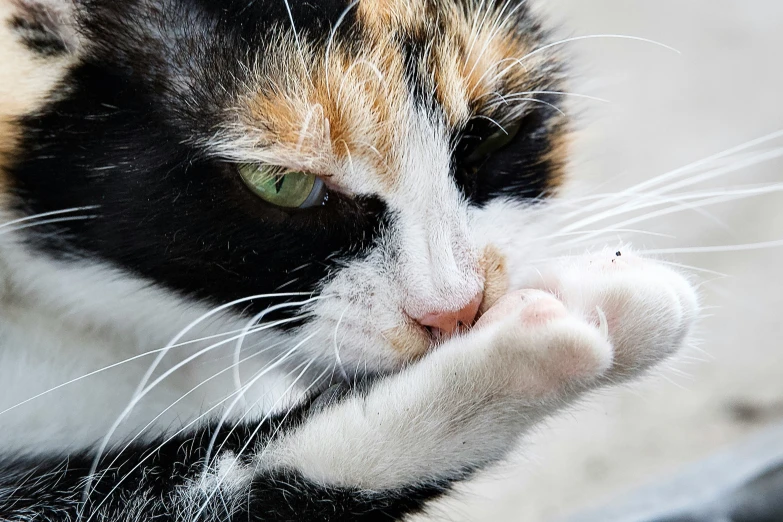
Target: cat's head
[[387, 157]]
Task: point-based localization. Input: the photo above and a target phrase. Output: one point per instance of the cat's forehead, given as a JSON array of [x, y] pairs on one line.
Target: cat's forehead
[[352, 93]]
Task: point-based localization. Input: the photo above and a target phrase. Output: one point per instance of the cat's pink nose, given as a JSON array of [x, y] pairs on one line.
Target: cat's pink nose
[[450, 321]]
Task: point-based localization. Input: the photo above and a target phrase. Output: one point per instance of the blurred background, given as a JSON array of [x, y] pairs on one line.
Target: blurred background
[[665, 111]]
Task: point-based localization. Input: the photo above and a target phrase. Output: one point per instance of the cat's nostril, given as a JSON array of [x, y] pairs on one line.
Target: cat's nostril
[[448, 322]]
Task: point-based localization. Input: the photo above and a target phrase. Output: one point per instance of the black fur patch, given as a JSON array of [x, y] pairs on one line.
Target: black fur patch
[[120, 140], [521, 169]]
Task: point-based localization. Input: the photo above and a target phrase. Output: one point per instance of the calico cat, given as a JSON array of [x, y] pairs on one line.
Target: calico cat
[[286, 260]]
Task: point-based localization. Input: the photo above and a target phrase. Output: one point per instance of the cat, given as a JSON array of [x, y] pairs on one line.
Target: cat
[[284, 260]]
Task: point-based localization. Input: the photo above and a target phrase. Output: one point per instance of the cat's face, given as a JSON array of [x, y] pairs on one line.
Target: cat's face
[[388, 156]]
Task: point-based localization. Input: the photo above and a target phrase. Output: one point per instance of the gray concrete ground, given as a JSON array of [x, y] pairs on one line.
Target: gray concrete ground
[[666, 111]]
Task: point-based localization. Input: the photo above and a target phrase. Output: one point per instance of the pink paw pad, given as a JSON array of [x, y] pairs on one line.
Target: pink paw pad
[[532, 307]]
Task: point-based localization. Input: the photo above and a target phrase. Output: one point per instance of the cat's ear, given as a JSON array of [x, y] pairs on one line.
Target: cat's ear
[[39, 42]]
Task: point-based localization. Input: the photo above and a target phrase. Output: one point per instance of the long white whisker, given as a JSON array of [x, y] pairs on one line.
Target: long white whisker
[[298, 42], [199, 320], [254, 380], [331, 41], [47, 214], [252, 437], [337, 346], [46, 222], [607, 231], [694, 268], [536, 100], [512, 95], [674, 209], [594, 36], [246, 330], [152, 453], [692, 166], [715, 249], [144, 389], [753, 160], [499, 126], [611, 199], [199, 385], [656, 201], [114, 365]]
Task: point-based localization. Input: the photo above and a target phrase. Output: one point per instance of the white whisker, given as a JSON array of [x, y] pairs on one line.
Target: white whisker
[[594, 36], [193, 389], [247, 329], [298, 42], [703, 198], [715, 249], [114, 365], [250, 383], [536, 100], [337, 346], [694, 268], [143, 389], [45, 222], [47, 214], [688, 168], [499, 126], [330, 41], [255, 433]]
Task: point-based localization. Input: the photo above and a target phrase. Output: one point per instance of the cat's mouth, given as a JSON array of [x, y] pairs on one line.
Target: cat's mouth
[[410, 338]]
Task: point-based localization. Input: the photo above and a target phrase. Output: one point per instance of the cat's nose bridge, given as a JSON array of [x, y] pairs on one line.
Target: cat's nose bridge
[[436, 262], [438, 268]]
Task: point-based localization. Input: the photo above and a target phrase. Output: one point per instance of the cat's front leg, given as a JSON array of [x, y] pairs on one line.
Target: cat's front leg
[[384, 452], [595, 320]]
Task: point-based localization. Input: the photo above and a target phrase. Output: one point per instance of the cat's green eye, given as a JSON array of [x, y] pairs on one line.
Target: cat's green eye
[[493, 143], [284, 188]]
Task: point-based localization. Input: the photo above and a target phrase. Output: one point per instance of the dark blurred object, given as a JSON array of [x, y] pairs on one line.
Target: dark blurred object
[[744, 484], [761, 500]]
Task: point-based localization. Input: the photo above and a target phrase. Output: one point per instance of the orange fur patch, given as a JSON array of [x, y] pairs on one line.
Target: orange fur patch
[[493, 265], [327, 110], [411, 341], [322, 113], [384, 16]]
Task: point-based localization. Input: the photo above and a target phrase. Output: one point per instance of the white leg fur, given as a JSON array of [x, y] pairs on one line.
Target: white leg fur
[[468, 402]]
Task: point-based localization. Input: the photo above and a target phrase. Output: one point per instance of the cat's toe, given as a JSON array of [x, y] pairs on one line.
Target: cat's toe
[[542, 347]]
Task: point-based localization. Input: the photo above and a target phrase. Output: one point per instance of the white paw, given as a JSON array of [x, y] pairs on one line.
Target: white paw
[[537, 348], [593, 319], [648, 308]]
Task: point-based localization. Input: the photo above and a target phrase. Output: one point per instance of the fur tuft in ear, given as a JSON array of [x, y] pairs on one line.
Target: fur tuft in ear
[[46, 27], [38, 42]]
